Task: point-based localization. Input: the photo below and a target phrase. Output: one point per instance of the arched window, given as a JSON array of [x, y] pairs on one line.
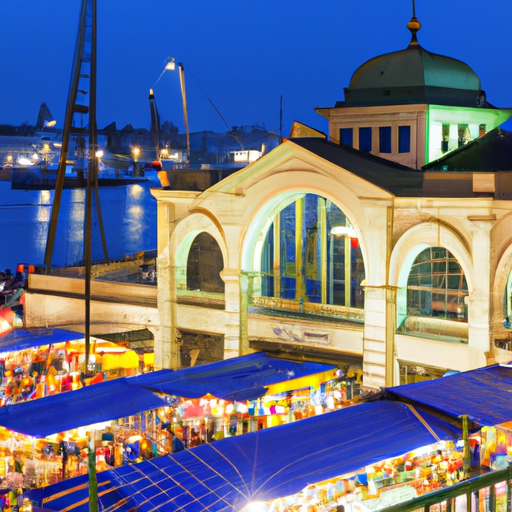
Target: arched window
[[437, 286], [204, 265], [311, 255]]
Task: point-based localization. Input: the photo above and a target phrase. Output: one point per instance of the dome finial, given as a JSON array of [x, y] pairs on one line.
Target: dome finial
[[414, 25]]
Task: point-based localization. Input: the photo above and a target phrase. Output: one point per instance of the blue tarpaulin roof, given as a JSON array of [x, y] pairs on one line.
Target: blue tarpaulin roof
[[20, 339], [276, 462], [241, 378], [92, 404], [485, 394]]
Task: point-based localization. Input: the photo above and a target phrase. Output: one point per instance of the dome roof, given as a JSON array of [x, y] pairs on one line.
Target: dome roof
[[414, 67], [414, 75]]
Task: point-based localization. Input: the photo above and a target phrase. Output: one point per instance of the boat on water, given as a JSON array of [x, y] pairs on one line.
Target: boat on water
[[44, 177]]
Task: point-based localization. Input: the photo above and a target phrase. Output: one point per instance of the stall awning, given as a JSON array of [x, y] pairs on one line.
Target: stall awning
[[240, 378], [485, 394], [227, 475], [92, 404], [20, 339]]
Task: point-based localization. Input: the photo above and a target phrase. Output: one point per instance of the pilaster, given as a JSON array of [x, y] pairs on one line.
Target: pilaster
[[479, 320], [232, 336]]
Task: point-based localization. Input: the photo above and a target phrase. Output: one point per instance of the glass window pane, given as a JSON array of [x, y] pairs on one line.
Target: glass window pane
[[311, 250], [365, 140], [404, 139], [287, 242], [437, 286], [267, 264], [323, 264], [347, 136], [385, 139]]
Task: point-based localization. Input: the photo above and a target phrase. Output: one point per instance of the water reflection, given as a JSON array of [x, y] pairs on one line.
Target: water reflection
[[129, 218]]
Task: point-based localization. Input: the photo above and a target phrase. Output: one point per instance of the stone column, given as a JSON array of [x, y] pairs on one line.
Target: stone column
[[379, 306], [166, 345], [232, 341], [246, 294], [479, 321], [375, 343]]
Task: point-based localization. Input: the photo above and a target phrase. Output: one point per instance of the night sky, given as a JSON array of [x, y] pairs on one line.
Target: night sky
[[243, 55]]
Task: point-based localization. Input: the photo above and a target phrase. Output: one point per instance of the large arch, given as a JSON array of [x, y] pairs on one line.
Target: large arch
[[255, 230], [185, 233], [319, 259], [418, 238], [411, 244], [205, 265]]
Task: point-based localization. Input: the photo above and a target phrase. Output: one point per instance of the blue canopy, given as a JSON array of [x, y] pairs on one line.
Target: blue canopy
[[239, 378], [230, 379], [92, 404], [20, 339], [485, 394], [260, 466]]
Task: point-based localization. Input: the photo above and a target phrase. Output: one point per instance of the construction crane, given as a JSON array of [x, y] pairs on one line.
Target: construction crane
[[181, 70], [171, 66]]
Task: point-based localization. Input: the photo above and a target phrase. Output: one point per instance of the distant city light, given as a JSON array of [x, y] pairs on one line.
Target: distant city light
[[25, 161]]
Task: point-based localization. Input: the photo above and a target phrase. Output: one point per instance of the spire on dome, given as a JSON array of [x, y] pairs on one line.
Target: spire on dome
[[414, 25]]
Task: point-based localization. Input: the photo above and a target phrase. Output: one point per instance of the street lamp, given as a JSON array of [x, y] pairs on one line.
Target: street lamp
[[171, 65], [135, 154]]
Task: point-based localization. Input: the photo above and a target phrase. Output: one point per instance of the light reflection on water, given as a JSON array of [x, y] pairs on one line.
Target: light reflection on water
[[128, 212]]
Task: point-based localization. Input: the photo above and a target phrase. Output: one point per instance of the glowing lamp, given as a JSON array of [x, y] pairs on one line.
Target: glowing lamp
[[171, 64], [255, 506], [4, 326], [343, 231]]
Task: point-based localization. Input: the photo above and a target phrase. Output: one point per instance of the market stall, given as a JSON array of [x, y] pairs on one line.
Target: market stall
[[45, 441], [359, 458], [269, 392], [42, 362], [258, 467]]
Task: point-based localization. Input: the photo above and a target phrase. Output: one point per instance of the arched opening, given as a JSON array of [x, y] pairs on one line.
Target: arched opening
[[311, 257], [204, 265], [437, 286], [436, 296]]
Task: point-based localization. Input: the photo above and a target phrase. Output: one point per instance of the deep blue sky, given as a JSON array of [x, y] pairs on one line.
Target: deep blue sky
[[244, 54]]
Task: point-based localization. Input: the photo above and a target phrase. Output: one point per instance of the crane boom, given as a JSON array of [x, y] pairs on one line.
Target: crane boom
[[185, 112]]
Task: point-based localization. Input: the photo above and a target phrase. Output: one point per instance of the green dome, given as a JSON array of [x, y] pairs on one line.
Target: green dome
[[414, 67], [414, 76]]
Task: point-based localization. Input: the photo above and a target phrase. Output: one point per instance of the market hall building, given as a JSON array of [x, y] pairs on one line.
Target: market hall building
[[323, 251]]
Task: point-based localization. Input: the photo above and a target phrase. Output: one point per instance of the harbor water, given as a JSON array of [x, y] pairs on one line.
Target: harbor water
[[129, 219]]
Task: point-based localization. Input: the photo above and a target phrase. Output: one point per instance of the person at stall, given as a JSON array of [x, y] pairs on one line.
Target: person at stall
[[13, 388], [194, 439], [27, 387], [176, 444]]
